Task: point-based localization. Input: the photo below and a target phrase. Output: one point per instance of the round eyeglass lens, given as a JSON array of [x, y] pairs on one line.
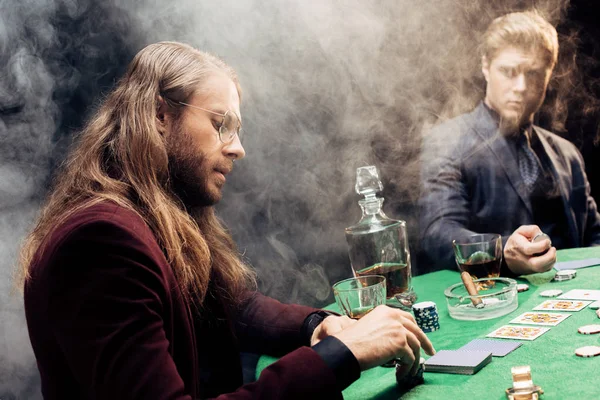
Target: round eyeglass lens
[[231, 126]]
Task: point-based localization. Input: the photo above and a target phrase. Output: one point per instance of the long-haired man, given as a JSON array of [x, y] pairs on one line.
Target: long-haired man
[[135, 290]]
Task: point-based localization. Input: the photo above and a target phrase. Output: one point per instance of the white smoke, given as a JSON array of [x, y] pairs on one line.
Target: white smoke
[[328, 86]]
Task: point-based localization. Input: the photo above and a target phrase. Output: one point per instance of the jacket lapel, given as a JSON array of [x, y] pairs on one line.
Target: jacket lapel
[[487, 128]]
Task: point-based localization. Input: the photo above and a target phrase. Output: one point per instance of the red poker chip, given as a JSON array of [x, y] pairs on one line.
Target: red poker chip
[[588, 351], [589, 329], [522, 287]]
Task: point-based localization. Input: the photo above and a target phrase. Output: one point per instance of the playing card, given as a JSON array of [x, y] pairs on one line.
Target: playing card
[[518, 332], [457, 361], [540, 318], [562, 305], [499, 348], [581, 294], [577, 264]]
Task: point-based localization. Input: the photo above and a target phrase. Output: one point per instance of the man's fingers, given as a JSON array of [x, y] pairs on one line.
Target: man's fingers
[[415, 345], [403, 370], [423, 340], [544, 262], [519, 245], [407, 357], [528, 231], [537, 247]]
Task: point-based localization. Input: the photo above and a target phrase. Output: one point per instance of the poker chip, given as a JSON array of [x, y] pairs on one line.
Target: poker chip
[[551, 293], [589, 329], [565, 275], [399, 364], [426, 316], [595, 305], [407, 382], [541, 236], [423, 306], [588, 351], [598, 313], [522, 287]]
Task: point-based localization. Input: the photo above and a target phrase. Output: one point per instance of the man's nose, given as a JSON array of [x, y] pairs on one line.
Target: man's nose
[[234, 149], [520, 83]]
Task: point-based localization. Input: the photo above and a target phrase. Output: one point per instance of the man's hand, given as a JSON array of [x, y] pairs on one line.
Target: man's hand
[[384, 334], [520, 252], [330, 326]]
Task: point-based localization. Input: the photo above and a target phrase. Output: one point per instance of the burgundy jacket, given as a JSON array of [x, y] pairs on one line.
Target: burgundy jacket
[[107, 321]]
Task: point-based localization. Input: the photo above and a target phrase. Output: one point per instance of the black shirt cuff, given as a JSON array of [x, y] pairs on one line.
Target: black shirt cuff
[[340, 359]]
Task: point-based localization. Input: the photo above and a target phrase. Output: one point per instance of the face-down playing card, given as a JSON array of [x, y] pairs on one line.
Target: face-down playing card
[[464, 362], [499, 348]]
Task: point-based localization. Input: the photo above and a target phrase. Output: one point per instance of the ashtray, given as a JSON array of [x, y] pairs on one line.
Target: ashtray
[[498, 300]]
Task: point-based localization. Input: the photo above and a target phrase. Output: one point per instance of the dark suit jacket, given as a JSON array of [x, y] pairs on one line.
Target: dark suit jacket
[[471, 184], [107, 321]]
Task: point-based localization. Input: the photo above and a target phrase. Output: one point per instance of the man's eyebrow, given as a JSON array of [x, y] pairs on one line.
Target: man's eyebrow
[[521, 66], [509, 64], [220, 108], [216, 108]]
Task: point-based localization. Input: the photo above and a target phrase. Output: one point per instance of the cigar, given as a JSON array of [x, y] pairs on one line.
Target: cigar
[[471, 289]]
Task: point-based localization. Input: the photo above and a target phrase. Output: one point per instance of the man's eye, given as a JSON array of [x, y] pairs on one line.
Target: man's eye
[[217, 124], [508, 72]]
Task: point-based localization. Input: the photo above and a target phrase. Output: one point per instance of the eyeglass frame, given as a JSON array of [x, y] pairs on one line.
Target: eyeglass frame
[[237, 132]]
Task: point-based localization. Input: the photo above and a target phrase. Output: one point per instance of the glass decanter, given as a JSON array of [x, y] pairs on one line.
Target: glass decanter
[[378, 245]]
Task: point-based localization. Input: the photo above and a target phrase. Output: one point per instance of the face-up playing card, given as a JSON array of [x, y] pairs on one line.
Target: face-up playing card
[[581, 294], [540, 318], [499, 348], [518, 332], [562, 305]]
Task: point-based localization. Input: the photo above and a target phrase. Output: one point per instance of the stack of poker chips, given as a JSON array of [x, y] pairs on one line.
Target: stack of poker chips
[[426, 316], [565, 275]]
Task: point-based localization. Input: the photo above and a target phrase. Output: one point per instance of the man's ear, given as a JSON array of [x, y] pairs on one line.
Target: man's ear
[[485, 67], [162, 115]]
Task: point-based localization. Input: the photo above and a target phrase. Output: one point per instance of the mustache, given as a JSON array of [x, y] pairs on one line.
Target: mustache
[[224, 167]]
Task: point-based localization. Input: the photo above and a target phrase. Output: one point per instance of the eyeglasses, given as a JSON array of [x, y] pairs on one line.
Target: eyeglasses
[[230, 124]]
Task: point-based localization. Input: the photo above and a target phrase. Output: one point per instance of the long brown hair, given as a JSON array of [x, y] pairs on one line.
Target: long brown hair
[[121, 157]]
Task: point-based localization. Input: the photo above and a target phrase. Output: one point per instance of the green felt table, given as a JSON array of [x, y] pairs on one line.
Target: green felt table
[[554, 365]]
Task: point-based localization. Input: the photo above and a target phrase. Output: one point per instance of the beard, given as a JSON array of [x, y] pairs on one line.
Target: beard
[[509, 124], [512, 123], [189, 172]]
